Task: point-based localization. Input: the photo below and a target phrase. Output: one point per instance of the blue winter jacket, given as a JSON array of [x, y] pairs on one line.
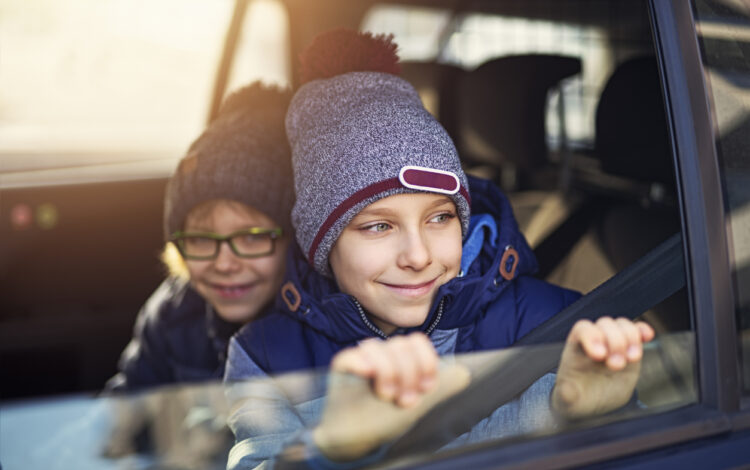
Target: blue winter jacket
[[489, 305], [177, 338]]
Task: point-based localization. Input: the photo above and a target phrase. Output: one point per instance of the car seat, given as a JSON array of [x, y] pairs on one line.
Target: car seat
[[637, 183], [501, 112]]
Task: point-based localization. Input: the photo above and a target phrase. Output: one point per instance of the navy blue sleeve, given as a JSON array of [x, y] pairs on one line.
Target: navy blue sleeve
[[145, 360], [537, 301]]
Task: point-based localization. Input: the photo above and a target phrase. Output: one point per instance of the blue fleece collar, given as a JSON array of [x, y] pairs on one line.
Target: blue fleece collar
[[475, 240]]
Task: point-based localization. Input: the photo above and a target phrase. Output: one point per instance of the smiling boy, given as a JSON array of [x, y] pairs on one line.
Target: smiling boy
[[403, 258], [226, 226]]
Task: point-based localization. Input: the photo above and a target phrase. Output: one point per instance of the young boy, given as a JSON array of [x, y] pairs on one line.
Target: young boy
[[382, 208], [226, 222]]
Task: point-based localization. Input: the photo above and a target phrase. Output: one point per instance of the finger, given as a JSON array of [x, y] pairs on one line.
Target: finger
[[384, 372], [590, 338], [615, 341], [351, 361], [427, 360], [647, 332], [633, 348], [406, 369]]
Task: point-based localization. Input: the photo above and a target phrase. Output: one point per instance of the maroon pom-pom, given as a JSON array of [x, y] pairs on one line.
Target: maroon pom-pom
[[345, 50]]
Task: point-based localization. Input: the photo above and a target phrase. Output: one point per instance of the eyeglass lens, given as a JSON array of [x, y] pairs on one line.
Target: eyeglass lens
[[242, 244]]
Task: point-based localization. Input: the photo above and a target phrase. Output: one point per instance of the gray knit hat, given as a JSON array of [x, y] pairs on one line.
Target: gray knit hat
[[243, 156], [358, 137]]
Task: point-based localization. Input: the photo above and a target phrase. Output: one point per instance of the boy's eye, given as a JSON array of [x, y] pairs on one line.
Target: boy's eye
[[379, 227], [444, 217], [198, 242]]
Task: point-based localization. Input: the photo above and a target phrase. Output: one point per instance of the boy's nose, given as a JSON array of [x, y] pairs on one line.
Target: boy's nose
[[226, 260], [415, 252]]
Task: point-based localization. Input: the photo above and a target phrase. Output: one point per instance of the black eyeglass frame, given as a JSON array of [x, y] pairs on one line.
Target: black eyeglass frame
[[273, 234]]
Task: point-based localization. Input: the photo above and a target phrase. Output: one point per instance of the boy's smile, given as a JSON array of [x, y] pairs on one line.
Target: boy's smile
[[231, 291], [395, 254], [412, 290]]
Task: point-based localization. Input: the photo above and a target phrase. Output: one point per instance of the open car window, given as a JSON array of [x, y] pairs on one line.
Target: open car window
[[565, 104], [592, 183]]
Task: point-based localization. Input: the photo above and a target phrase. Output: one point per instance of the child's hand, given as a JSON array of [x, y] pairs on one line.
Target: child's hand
[[402, 368], [404, 382], [599, 366]]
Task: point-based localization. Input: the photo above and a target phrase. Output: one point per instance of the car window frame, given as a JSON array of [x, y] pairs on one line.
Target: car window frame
[[707, 250], [717, 25]]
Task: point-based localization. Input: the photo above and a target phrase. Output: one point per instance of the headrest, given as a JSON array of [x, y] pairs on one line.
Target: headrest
[[632, 138], [502, 107]]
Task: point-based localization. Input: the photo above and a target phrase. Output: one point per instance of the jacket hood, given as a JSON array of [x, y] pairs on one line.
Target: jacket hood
[[502, 254]]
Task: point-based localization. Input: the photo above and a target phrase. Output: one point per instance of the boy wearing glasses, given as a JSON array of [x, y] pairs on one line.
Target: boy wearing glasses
[[226, 223]]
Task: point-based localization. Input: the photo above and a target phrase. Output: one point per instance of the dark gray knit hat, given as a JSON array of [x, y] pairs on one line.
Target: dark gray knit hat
[[243, 156], [356, 138]]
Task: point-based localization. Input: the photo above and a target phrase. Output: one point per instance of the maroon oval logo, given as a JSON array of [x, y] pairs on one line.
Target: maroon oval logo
[[429, 179]]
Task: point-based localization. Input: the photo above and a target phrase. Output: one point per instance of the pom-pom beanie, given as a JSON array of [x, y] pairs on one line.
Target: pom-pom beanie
[[243, 155], [359, 135]]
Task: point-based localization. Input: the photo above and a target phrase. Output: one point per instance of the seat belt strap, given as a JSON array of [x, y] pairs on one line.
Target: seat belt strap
[[629, 293]]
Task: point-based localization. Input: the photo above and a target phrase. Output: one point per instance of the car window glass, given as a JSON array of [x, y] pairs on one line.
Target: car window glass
[[188, 427], [724, 32]]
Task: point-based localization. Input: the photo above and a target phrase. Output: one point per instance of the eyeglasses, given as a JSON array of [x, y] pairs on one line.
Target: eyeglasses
[[249, 243]]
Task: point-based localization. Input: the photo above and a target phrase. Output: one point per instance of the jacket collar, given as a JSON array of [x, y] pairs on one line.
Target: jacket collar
[[219, 331]]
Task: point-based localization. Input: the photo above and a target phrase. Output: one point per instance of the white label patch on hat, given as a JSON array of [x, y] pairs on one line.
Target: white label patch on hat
[[429, 179]]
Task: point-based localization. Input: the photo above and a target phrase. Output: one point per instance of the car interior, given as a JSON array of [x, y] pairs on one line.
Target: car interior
[[575, 134], [561, 103]]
